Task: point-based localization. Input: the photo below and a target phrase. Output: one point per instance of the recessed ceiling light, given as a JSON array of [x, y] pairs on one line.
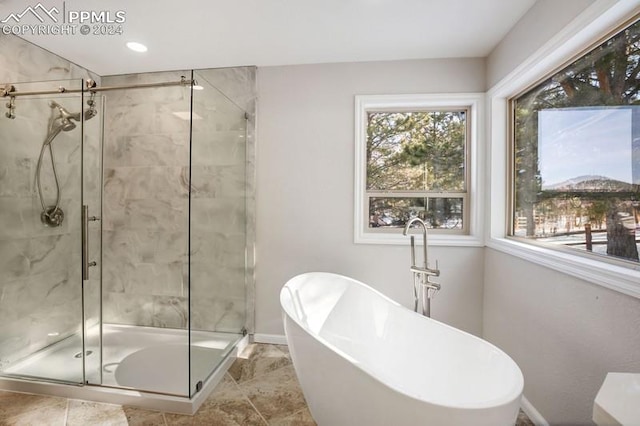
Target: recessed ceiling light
[[136, 47]]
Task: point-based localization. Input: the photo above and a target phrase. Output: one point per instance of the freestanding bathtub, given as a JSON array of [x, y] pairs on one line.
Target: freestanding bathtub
[[363, 359]]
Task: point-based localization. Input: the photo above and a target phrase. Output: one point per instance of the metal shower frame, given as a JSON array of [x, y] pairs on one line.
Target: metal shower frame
[[10, 91]]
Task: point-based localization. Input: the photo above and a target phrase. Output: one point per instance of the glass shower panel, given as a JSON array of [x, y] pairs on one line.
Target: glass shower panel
[[217, 228], [145, 234], [92, 196], [40, 248]]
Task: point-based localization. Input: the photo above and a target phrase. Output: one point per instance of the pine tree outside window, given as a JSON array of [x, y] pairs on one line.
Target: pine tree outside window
[[576, 154], [413, 160]]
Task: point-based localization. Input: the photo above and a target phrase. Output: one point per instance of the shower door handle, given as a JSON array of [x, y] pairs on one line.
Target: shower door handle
[[85, 243]]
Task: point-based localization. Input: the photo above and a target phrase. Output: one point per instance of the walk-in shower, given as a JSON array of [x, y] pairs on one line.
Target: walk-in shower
[[126, 234]]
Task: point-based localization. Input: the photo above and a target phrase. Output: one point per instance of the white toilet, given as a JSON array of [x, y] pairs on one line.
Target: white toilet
[[618, 400]]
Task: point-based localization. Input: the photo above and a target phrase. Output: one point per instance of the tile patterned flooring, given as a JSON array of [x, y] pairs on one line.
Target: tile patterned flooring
[[260, 388]]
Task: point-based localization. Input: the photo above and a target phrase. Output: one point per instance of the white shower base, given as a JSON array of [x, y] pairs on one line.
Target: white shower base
[[142, 362]]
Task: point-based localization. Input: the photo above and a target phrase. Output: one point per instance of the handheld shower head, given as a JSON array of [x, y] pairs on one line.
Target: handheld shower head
[[61, 122], [65, 116], [89, 113], [67, 124]]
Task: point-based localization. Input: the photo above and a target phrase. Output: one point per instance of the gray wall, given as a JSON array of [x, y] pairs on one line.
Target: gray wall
[[305, 178], [544, 20], [564, 333]]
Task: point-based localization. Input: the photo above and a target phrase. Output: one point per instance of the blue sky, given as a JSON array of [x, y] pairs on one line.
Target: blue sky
[[575, 142]]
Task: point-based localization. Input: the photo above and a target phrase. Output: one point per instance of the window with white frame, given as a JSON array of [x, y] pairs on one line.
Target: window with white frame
[[576, 154], [413, 160]]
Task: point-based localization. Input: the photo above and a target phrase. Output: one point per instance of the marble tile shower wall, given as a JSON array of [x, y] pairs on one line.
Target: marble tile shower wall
[[146, 210], [145, 203], [40, 283], [238, 84], [218, 211]]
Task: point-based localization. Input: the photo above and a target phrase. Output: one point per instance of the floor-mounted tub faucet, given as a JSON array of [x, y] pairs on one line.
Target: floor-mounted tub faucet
[[422, 286]]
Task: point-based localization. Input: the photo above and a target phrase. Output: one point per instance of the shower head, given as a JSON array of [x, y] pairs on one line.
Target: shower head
[[66, 124], [66, 115], [61, 122]]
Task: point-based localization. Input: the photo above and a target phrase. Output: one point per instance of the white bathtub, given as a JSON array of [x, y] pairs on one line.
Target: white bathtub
[[363, 359]]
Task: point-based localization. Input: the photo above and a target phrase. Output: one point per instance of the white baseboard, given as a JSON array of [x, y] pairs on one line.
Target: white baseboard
[[273, 339], [533, 414]]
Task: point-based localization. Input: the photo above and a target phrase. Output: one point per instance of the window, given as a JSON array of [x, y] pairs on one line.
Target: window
[[576, 154], [413, 156]]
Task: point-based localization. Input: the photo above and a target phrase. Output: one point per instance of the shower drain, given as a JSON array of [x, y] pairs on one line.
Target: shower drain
[[79, 354]]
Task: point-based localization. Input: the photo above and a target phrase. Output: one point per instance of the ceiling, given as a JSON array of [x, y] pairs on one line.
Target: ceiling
[[207, 34]]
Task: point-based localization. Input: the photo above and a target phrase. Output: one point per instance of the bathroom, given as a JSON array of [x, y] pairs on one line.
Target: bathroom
[[564, 331]]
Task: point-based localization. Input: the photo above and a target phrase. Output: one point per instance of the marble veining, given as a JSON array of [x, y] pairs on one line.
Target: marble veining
[[148, 150], [146, 203]]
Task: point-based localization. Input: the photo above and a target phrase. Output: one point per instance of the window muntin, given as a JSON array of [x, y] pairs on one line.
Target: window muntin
[[576, 153], [416, 165]]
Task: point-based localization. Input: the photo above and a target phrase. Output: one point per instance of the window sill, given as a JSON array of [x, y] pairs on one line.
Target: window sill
[[439, 240], [618, 278]]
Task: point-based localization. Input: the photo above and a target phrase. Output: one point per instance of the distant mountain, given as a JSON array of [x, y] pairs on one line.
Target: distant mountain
[[591, 183]]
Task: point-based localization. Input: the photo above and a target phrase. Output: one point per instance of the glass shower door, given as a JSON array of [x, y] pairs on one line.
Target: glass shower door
[[41, 288]]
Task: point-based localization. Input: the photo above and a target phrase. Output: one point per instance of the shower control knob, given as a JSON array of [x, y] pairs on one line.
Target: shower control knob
[[91, 264]]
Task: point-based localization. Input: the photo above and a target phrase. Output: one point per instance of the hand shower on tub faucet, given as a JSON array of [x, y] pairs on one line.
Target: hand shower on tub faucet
[[421, 275]]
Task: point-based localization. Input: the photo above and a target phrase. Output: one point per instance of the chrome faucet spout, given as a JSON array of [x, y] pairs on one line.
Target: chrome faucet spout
[[424, 239], [411, 222], [422, 274]]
